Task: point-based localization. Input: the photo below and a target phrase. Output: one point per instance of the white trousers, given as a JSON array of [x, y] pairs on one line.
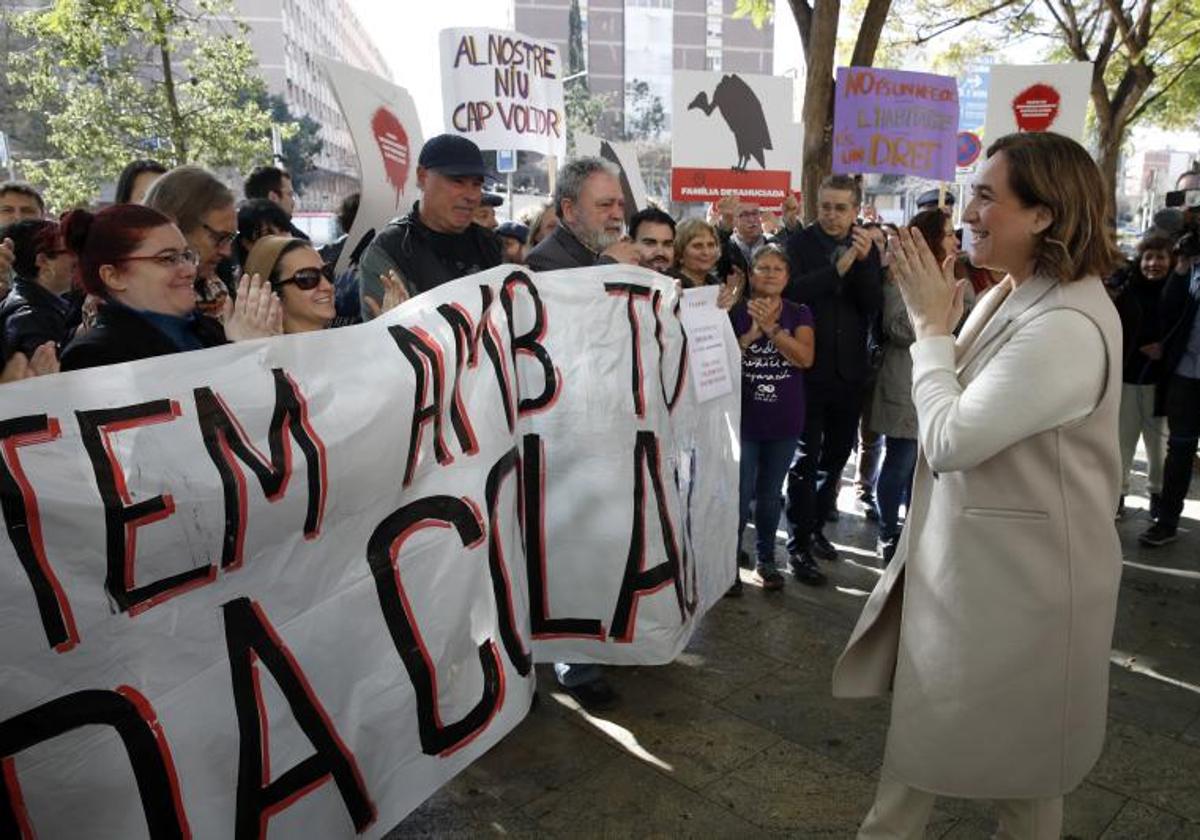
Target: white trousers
[[901, 812], [1137, 420]]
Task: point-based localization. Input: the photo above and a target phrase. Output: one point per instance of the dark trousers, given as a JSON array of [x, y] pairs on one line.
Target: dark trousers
[[1183, 427], [830, 432]]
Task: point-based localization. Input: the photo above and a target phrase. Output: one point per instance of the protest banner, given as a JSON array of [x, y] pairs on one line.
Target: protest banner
[[503, 90], [895, 122], [624, 157], [1039, 97], [294, 585], [386, 132], [732, 134]]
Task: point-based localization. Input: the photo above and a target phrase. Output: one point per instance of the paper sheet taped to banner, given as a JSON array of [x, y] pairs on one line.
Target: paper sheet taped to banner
[[296, 585]]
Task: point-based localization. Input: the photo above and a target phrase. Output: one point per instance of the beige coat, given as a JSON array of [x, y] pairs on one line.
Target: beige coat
[[993, 624]]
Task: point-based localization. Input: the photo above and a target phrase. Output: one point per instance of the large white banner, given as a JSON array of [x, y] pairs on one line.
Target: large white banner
[[386, 132], [1038, 97], [503, 90], [295, 585]]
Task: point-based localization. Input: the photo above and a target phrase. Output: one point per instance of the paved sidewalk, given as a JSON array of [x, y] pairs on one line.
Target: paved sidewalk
[[740, 736]]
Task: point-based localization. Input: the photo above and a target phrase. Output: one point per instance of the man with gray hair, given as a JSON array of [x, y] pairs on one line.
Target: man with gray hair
[[591, 212]]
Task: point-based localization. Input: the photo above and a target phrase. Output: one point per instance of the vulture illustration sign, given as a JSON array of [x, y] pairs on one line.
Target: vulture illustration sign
[[750, 150]]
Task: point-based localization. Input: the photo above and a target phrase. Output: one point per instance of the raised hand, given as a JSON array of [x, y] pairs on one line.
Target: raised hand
[[394, 294], [257, 312], [731, 289], [933, 297]]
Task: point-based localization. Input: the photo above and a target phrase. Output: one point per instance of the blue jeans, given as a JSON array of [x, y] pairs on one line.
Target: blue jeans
[[764, 466], [895, 483]]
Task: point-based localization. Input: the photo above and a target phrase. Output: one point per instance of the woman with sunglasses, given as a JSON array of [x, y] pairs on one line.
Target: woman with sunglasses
[[304, 283], [138, 263]]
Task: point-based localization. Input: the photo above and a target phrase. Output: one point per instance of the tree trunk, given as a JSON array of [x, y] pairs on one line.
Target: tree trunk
[[177, 130], [1110, 133], [818, 101], [869, 32]]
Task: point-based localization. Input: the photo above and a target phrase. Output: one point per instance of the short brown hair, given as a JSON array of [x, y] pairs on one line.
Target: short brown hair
[[1055, 172], [187, 194], [842, 182], [689, 229]]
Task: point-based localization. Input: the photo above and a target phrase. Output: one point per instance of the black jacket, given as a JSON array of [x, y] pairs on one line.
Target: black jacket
[[424, 258], [1178, 309], [843, 308], [30, 316], [121, 335], [562, 249], [1137, 303]]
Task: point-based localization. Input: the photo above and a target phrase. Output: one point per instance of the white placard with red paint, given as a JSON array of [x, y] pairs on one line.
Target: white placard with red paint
[[504, 90], [732, 134], [387, 137], [1040, 97], [296, 585]]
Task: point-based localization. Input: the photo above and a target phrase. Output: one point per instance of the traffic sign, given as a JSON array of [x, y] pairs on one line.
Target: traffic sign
[[506, 160], [969, 148]]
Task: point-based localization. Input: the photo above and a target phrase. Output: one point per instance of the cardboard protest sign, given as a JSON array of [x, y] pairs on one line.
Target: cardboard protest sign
[[1040, 97], [732, 134], [503, 90], [624, 157], [895, 122], [295, 585], [386, 132]]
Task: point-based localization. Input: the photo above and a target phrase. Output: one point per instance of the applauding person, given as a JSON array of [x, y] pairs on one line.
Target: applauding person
[[776, 337]]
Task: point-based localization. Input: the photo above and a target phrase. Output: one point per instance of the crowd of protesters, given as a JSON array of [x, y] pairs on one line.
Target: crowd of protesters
[[178, 263]]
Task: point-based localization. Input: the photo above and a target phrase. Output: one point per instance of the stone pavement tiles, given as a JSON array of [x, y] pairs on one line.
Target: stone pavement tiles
[[739, 737]]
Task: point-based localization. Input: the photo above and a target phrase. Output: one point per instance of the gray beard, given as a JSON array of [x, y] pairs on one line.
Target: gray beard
[[598, 241]]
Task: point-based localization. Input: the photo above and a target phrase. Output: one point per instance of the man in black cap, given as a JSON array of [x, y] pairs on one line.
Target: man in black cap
[[928, 200], [513, 236], [437, 241], [485, 213]]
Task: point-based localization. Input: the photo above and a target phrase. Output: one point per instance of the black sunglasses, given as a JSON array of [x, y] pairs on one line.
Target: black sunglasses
[[307, 279]]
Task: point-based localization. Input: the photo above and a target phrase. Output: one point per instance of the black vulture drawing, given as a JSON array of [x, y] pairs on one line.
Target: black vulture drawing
[[608, 153], [743, 113]]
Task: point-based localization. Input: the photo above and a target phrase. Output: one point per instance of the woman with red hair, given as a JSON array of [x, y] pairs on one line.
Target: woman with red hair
[[139, 264]]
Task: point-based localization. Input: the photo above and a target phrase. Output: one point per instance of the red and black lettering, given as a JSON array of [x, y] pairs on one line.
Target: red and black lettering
[[429, 369], [24, 525], [639, 581], [681, 376], [135, 722], [510, 463], [530, 343], [122, 516], [228, 444], [466, 354], [383, 550], [251, 639], [632, 292], [543, 626]]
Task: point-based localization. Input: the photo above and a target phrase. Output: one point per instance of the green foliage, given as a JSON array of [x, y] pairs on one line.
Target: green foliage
[[119, 79], [645, 117], [584, 110], [759, 11], [301, 139]]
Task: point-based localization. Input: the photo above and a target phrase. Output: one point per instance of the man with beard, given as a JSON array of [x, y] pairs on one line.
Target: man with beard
[[591, 210], [653, 234], [437, 241]]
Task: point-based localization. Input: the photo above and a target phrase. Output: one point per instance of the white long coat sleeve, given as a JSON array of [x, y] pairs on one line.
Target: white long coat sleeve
[[1047, 375]]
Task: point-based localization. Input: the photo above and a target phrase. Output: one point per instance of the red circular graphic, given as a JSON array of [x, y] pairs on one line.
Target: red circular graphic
[[392, 140], [1036, 107]]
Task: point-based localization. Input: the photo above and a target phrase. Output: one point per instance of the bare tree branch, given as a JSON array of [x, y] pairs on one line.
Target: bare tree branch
[[869, 31], [803, 14], [942, 27], [1166, 86]]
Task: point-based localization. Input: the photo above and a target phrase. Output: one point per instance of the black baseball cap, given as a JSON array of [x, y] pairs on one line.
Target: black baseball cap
[[492, 200], [453, 156], [513, 230]]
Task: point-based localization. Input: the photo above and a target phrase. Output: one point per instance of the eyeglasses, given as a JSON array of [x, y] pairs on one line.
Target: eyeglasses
[[220, 237], [170, 259], [307, 279]]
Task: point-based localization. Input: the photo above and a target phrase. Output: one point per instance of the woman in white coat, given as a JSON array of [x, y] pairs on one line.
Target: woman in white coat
[[993, 624]]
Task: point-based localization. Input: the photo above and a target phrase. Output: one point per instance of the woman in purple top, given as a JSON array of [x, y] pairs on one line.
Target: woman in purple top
[[776, 338]]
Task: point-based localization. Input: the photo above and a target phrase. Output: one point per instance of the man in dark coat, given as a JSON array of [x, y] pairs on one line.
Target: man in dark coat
[[437, 241], [35, 311], [836, 272], [591, 212]]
